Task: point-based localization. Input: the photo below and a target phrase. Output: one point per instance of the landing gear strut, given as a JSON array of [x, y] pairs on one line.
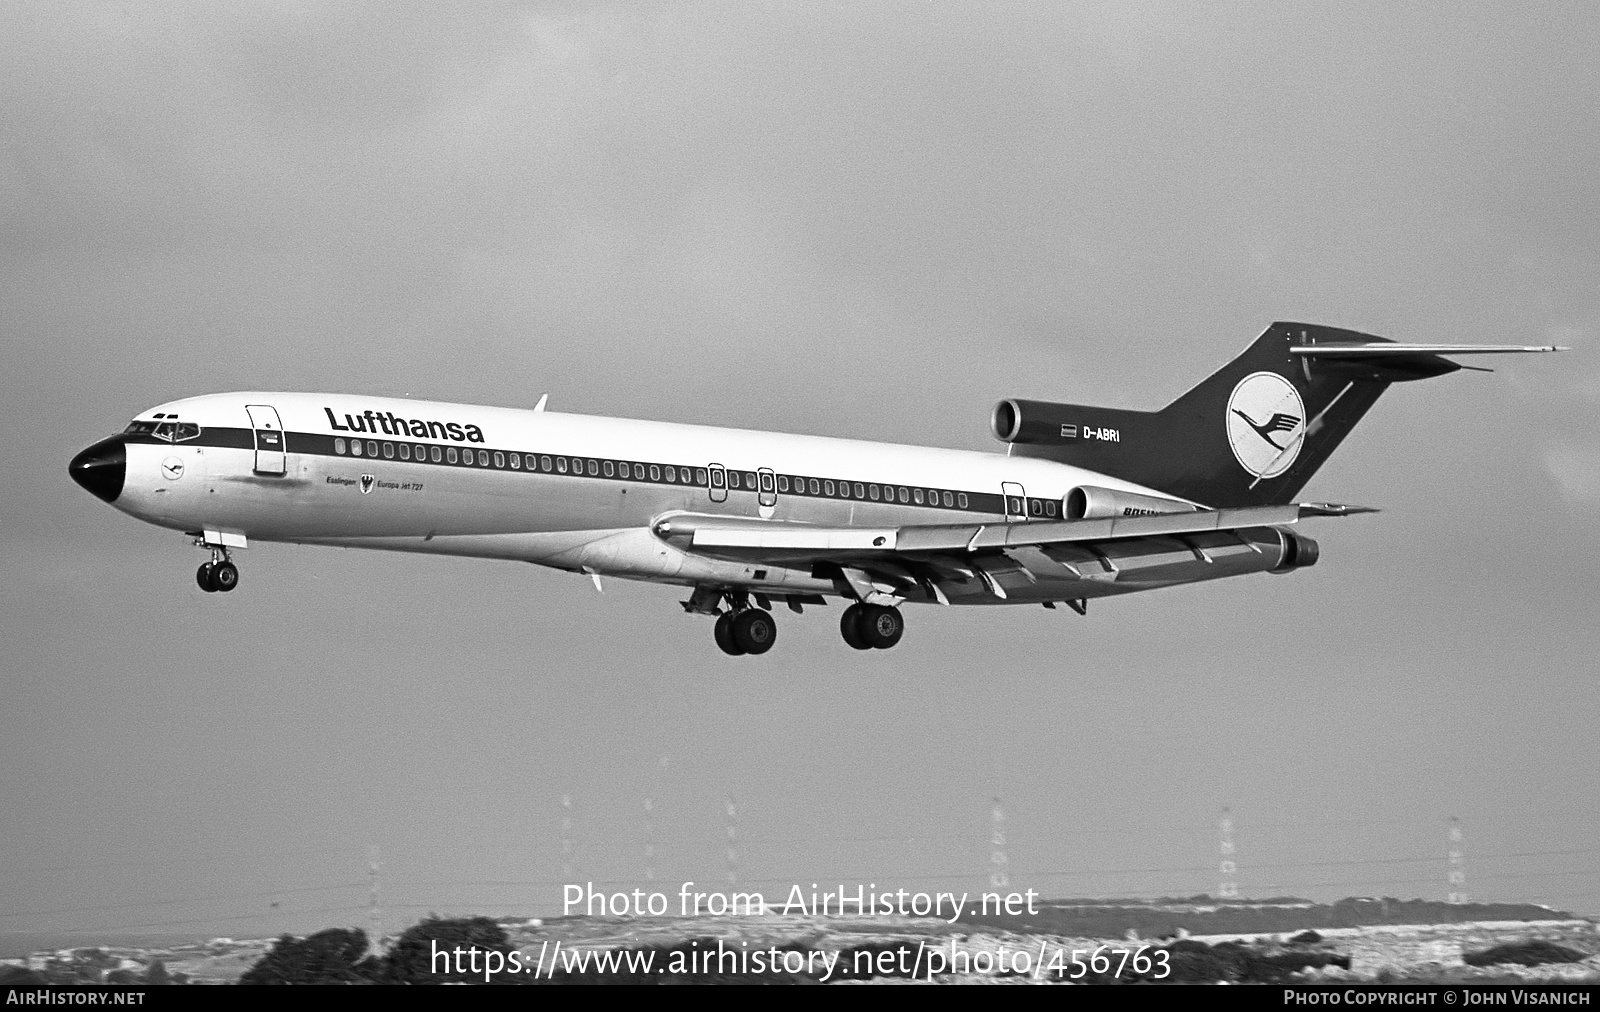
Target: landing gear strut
[[744, 629], [871, 626], [218, 574]]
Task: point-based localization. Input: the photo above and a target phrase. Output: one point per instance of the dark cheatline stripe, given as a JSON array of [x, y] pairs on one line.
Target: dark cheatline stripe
[[321, 445]]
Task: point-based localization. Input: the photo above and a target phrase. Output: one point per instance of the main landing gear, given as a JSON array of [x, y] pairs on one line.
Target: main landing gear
[[745, 631], [871, 626], [218, 574], [746, 627]]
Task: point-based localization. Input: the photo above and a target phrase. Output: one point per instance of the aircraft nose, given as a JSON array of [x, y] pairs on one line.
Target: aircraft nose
[[101, 468]]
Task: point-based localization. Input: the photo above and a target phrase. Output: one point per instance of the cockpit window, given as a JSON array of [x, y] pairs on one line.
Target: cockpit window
[[177, 432], [172, 432]]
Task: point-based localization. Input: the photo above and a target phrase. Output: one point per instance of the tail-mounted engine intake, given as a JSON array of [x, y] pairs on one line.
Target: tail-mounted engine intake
[[1086, 502], [1299, 552], [1020, 421]]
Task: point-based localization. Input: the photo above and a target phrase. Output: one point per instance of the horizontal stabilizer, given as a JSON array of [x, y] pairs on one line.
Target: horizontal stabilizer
[[1368, 349]]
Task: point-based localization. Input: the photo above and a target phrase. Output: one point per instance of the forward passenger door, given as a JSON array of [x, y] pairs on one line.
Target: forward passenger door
[[270, 449]]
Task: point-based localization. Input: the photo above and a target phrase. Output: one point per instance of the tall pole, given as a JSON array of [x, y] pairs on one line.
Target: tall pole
[[649, 841], [1455, 862], [999, 865], [1228, 871], [374, 915], [566, 839], [733, 844]]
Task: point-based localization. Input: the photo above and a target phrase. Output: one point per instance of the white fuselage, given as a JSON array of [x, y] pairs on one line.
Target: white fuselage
[[520, 497]]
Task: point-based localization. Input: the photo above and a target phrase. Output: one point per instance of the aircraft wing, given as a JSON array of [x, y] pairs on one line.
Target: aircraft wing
[[769, 539], [884, 564]]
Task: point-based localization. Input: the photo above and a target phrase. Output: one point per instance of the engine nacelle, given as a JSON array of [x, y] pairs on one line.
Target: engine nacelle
[[1020, 421], [1299, 552], [1086, 502]]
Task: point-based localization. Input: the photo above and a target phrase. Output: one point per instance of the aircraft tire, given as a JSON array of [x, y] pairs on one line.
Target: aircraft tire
[[225, 576], [723, 632], [881, 627], [850, 628], [202, 576], [754, 631]]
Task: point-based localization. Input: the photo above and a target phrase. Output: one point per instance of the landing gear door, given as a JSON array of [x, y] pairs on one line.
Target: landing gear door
[[1016, 502], [718, 485], [270, 457]]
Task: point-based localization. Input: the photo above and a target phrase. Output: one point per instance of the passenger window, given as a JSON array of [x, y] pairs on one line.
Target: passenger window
[[1036, 507], [861, 491], [750, 479], [405, 452], [700, 476], [372, 448], [783, 483], [388, 450], [355, 447], [672, 473], [905, 494], [516, 462], [436, 453], [872, 490], [450, 453], [917, 495], [499, 458], [561, 464], [1050, 507], [422, 452], [961, 497], [655, 472], [594, 467], [827, 488], [816, 487], [338, 445], [544, 463], [610, 467]]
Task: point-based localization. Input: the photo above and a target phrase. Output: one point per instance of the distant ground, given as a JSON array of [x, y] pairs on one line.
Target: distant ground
[[1257, 942]]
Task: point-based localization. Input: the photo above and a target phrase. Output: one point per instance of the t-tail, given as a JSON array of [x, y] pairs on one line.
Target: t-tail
[[1250, 434]]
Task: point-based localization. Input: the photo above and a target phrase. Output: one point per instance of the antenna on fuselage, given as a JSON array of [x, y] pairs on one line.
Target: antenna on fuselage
[[542, 399]]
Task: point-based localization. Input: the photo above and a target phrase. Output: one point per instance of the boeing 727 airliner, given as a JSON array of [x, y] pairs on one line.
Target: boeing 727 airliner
[[1087, 502]]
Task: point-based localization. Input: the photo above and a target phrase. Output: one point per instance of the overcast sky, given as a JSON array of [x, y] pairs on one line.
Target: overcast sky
[[855, 220]]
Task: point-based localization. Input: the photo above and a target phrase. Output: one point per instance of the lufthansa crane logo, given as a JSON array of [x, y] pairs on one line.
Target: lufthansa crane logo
[[1266, 424]]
